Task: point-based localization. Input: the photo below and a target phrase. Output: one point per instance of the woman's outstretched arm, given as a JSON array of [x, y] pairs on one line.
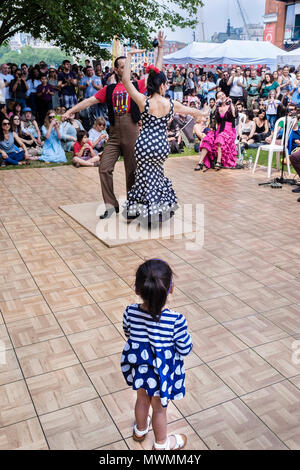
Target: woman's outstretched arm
[[138, 97]]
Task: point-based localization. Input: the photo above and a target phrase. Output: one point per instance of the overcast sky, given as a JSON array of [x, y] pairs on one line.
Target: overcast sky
[[216, 14]]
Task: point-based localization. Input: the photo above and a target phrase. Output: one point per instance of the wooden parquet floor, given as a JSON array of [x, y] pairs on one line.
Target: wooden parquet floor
[[63, 292]]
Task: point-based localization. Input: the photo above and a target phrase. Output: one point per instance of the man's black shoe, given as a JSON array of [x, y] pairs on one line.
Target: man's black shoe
[[109, 212], [132, 217], [296, 190], [298, 199]]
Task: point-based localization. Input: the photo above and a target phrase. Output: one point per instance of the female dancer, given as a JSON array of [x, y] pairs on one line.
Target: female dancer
[[152, 196], [220, 145]]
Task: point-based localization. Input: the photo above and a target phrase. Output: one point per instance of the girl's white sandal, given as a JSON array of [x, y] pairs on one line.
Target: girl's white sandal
[[180, 442], [139, 436]]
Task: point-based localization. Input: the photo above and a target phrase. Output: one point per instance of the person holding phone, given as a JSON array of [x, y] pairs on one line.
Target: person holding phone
[[18, 88], [52, 149], [237, 84]]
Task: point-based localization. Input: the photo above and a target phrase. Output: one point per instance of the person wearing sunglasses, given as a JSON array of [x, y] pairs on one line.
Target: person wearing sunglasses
[[11, 154]]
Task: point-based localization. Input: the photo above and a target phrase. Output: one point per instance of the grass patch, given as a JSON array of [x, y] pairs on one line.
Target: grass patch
[[39, 164]]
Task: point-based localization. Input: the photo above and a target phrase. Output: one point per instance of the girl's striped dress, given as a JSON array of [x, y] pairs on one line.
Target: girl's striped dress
[[152, 356]]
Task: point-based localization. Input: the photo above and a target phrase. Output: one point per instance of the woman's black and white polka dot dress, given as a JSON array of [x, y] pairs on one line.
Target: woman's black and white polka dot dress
[[152, 193]]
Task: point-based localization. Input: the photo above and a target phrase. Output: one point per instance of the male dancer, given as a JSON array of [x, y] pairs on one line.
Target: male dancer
[[123, 116]]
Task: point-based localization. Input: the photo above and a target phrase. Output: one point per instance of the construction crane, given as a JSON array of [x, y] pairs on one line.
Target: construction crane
[[243, 18]]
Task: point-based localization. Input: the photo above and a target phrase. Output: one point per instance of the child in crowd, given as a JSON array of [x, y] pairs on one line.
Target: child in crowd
[[152, 360], [84, 154], [98, 135]]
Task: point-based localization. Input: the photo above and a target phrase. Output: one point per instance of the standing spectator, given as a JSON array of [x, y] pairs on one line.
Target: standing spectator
[[209, 88], [200, 89], [24, 68], [178, 86], [52, 150], [268, 85], [91, 84], [223, 83], [67, 82], [190, 85], [2, 91], [237, 84], [43, 68], [253, 87], [7, 78], [19, 88], [286, 81], [170, 80], [271, 105], [183, 73], [197, 78], [296, 91], [52, 80], [45, 93], [33, 82]]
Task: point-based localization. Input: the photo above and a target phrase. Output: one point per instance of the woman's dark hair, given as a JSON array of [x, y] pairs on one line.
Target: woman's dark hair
[[249, 114], [152, 283], [13, 126], [81, 134], [32, 76], [1, 128], [16, 105], [154, 81], [271, 77]]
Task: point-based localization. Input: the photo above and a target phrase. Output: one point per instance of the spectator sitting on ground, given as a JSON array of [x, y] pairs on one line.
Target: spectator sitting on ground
[[29, 125], [32, 147], [174, 137], [84, 154], [69, 130], [17, 110], [11, 154], [3, 112], [98, 135], [200, 130], [52, 149], [193, 98]]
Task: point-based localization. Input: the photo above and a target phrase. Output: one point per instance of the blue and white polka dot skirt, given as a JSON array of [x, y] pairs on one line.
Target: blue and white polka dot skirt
[[159, 371]]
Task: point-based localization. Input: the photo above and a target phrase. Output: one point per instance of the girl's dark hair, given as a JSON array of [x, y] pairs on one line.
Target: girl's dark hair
[[81, 134], [154, 81], [14, 127], [152, 283]]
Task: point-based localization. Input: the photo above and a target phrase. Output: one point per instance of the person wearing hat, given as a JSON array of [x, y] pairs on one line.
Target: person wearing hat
[[29, 125]]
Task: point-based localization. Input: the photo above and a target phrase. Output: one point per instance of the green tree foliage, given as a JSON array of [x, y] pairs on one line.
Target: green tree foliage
[[31, 55], [79, 26]]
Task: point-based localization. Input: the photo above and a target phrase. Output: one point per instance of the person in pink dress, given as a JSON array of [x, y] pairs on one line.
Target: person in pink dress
[[218, 148]]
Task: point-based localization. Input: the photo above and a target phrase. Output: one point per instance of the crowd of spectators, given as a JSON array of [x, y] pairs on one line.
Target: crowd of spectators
[[32, 100]]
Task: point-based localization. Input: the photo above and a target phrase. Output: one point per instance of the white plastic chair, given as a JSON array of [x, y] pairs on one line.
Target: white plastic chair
[[275, 148]]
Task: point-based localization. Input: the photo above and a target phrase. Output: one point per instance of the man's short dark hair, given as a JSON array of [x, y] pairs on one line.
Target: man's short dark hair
[[116, 63], [66, 61], [24, 64]]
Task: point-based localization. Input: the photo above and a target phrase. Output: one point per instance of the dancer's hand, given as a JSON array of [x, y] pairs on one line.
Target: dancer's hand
[[161, 39], [133, 50]]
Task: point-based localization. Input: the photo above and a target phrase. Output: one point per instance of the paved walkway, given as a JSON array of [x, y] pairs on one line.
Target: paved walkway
[[62, 295]]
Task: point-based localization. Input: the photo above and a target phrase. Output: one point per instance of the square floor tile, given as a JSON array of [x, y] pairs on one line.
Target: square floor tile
[[80, 427], [108, 290], [95, 274], [237, 282], [47, 356], [215, 342], [290, 290], [60, 389], [120, 445], [279, 407], [54, 282], [97, 343], [204, 289], [203, 390], [287, 318], [33, 330], [15, 402], [9, 367], [196, 317], [47, 266], [245, 372], [66, 299], [232, 426], [264, 299], [26, 435], [178, 427], [18, 289], [226, 308], [114, 309], [21, 309], [255, 330], [5, 342], [120, 406], [106, 374], [80, 319], [282, 355]]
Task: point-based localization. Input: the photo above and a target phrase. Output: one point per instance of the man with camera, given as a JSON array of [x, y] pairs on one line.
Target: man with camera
[[253, 87], [237, 85], [124, 116], [67, 81]]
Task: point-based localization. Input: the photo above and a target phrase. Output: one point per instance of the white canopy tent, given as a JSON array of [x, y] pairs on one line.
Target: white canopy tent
[[289, 58], [228, 53]]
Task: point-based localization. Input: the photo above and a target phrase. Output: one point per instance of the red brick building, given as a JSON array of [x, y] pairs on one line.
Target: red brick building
[[282, 23]]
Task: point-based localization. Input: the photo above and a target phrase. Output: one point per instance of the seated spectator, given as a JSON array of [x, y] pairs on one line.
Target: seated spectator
[[29, 125], [200, 130], [52, 148], [295, 162], [18, 88], [240, 113], [193, 98], [84, 154], [30, 142], [246, 129], [98, 135], [174, 137], [261, 131], [3, 112], [271, 105], [11, 154], [17, 110], [44, 93], [69, 130]]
